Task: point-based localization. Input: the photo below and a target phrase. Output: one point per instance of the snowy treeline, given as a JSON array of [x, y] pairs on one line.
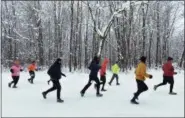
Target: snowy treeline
[[75, 30]]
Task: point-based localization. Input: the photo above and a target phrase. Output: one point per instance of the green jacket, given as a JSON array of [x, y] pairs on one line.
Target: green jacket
[[115, 69]]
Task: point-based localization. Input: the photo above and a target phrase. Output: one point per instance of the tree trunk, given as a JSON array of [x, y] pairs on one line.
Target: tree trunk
[[150, 45], [55, 30], [86, 40], [71, 38], [143, 29], [80, 38], [182, 59], [158, 37], [40, 38]]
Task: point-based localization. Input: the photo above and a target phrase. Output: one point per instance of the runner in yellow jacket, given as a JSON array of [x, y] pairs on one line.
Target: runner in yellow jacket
[[141, 75], [115, 70]]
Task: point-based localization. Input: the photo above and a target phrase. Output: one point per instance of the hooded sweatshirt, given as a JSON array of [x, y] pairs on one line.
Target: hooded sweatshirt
[[55, 70], [94, 67]]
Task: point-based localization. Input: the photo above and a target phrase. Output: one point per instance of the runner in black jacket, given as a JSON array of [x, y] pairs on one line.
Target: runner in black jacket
[[93, 76], [55, 74]]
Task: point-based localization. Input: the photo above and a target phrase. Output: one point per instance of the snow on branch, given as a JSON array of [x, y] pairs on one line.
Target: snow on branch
[[106, 29], [11, 38], [20, 35], [103, 33]]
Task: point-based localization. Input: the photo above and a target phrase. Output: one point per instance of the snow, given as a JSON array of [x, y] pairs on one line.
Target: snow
[[100, 33], [99, 48], [20, 35], [27, 101], [115, 14]]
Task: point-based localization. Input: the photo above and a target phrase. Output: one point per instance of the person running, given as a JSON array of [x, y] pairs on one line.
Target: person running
[[93, 76], [140, 78], [168, 70], [103, 74], [55, 74], [115, 69], [32, 68], [15, 70]]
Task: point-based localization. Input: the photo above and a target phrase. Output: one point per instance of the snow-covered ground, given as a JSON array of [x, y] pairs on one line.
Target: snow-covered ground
[[27, 101]]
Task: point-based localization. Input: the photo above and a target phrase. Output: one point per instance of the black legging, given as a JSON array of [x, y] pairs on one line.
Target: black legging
[[103, 81], [141, 87], [15, 80], [32, 74], [167, 79], [56, 86], [92, 78], [114, 76]]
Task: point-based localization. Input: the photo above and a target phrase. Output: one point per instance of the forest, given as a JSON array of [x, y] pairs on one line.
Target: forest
[[75, 31]]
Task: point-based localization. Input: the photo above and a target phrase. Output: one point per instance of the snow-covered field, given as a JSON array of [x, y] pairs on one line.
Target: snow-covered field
[[27, 101]]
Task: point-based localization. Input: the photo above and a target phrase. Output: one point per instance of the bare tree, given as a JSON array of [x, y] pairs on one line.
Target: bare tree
[[78, 30], [71, 37]]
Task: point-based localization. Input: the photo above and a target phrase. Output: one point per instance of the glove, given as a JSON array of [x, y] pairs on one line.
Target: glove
[[89, 68], [48, 81], [175, 73], [11, 70], [63, 74], [150, 76]]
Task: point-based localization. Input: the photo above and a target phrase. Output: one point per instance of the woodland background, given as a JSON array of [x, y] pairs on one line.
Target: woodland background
[[72, 30]]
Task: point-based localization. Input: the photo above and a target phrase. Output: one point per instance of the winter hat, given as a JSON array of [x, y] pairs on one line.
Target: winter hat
[[16, 62], [33, 61], [170, 58], [143, 59], [58, 59], [95, 58]]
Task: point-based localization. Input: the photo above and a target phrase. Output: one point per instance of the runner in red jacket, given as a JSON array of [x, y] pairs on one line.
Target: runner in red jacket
[[168, 70], [103, 74]]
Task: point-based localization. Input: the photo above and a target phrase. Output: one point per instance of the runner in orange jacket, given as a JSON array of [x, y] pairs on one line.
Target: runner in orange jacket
[[141, 75], [31, 68]]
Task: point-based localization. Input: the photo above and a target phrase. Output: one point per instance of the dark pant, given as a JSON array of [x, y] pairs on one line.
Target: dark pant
[[103, 81], [32, 74], [15, 80], [141, 87], [167, 79], [114, 76], [56, 86], [92, 78]]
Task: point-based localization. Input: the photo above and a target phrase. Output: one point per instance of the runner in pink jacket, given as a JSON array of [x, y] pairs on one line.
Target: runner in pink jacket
[[15, 70]]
